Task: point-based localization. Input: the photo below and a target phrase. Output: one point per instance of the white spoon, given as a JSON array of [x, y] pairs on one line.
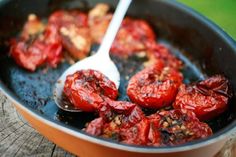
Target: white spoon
[[100, 61]]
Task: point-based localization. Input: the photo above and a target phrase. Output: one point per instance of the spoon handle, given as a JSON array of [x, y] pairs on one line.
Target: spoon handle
[[113, 27]]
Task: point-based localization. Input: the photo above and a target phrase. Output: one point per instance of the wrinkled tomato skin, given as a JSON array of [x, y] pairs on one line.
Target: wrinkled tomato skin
[[34, 49], [177, 127], [117, 116], [155, 86], [29, 57], [165, 128], [137, 134], [207, 99], [86, 89], [130, 113], [53, 46]]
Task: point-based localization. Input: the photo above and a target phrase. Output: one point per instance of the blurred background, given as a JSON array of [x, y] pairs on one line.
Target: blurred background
[[222, 12]]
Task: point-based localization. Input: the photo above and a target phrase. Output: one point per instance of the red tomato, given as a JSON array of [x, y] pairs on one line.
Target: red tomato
[[137, 134], [176, 127], [35, 47], [117, 116], [160, 53], [86, 89], [74, 31], [165, 128], [31, 55], [132, 37], [52, 45], [207, 99], [63, 18], [28, 56], [155, 86], [129, 112], [95, 127]]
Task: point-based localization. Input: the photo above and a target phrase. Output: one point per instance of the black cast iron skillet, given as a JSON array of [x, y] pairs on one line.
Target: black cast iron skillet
[[204, 48]]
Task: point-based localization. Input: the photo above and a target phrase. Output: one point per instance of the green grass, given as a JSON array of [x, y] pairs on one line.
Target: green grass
[[222, 12]]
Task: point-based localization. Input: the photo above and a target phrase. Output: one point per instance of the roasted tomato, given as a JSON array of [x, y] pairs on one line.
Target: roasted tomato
[[155, 86], [176, 127], [35, 47], [160, 53], [63, 18], [95, 127], [136, 134], [132, 37], [207, 99], [52, 45], [115, 116], [129, 112], [74, 31], [28, 56], [86, 89], [165, 128]]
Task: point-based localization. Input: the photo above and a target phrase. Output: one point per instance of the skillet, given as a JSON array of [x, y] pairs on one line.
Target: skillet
[[205, 49]]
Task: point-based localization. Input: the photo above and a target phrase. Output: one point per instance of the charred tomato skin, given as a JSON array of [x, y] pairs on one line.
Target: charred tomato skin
[[177, 127], [165, 128], [155, 86], [86, 89], [115, 117], [207, 99]]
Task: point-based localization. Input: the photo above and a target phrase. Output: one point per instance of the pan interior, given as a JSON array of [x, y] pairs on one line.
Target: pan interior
[[35, 89]]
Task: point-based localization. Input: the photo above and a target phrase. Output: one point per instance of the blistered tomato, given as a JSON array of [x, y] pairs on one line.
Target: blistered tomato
[[155, 86], [86, 89], [207, 99], [35, 48], [166, 128], [115, 117]]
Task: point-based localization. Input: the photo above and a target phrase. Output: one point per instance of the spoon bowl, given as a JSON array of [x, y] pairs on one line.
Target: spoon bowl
[[100, 61]]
